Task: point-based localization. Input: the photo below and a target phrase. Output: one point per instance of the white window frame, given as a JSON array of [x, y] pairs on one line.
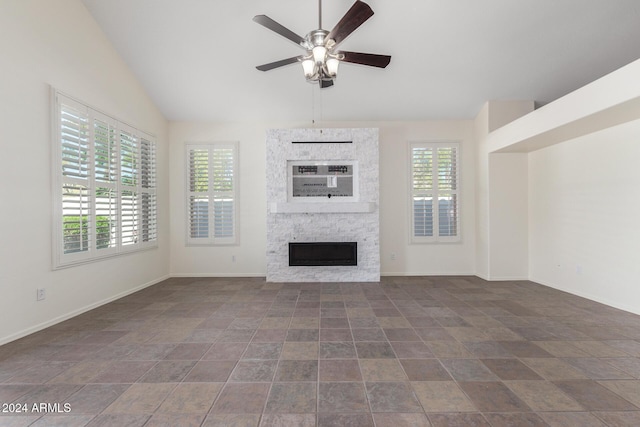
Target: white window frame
[[146, 218], [435, 192], [211, 239]]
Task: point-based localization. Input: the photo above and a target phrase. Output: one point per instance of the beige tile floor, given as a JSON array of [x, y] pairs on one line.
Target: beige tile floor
[[420, 351]]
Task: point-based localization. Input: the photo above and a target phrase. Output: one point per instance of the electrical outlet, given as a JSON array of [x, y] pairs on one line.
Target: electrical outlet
[[41, 294], [393, 256], [233, 258]]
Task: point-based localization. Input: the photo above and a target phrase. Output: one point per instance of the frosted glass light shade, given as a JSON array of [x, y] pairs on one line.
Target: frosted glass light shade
[[309, 68], [332, 67], [319, 54]]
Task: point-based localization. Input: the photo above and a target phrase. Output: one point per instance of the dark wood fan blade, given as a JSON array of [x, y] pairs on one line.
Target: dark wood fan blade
[[325, 83], [356, 16], [370, 59], [276, 64], [265, 21]]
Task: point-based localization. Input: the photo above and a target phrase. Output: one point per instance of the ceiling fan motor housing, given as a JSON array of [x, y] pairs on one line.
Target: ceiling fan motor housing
[[317, 38]]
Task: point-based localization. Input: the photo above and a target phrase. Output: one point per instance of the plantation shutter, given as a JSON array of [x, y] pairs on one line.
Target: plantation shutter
[[106, 218], [211, 193], [434, 187], [128, 159], [76, 196], [105, 180], [106, 175], [422, 175], [75, 218], [106, 153], [222, 160], [447, 191], [149, 218], [75, 142], [129, 196], [199, 193]]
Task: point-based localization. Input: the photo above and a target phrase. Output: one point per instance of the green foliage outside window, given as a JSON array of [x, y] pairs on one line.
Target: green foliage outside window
[[75, 229]]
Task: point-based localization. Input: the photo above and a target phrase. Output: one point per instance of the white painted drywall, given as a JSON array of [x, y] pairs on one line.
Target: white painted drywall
[[480, 139], [248, 258], [611, 100], [58, 43], [583, 179], [583, 216], [501, 197], [395, 220], [250, 254], [508, 218]]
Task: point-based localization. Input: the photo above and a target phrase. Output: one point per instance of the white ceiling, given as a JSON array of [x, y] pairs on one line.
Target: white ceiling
[[197, 58]]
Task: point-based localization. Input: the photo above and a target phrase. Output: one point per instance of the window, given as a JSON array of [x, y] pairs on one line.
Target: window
[[105, 185], [212, 200], [435, 192]]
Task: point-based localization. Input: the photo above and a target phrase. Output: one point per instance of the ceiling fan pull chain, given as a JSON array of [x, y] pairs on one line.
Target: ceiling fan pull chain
[[320, 106], [313, 106]]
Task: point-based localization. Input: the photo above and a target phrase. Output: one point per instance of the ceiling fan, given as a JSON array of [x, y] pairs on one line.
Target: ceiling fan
[[320, 63]]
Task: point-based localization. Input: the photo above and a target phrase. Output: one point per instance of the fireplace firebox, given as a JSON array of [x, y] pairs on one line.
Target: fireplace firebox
[[323, 254]]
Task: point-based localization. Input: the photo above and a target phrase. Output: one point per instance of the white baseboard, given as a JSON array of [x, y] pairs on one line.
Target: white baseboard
[[506, 279], [217, 275], [482, 276], [414, 274], [67, 316]]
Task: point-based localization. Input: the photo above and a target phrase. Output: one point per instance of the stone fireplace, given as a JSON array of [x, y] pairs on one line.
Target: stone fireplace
[[337, 203]]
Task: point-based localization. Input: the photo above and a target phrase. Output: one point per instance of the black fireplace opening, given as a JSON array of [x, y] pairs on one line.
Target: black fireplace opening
[[323, 254]]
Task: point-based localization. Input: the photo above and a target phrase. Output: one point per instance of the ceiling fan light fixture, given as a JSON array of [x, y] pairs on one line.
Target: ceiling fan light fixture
[[309, 67], [332, 66], [321, 61], [319, 54]]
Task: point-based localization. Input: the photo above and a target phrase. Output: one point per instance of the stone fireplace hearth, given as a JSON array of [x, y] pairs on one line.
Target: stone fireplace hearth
[[322, 219]]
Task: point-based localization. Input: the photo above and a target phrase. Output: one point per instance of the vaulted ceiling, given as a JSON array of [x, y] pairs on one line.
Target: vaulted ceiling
[[197, 58]]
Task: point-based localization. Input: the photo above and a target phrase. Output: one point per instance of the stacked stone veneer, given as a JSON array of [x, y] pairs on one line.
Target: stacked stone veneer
[[313, 226]]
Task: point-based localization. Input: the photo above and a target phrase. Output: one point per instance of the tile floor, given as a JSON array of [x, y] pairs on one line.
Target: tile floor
[[420, 351]]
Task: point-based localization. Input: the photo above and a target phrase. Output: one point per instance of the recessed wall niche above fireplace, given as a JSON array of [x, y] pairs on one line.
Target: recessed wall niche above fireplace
[[300, 178], [322, 181]]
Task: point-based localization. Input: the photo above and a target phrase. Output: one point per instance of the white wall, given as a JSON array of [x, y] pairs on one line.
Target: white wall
[[583, 182], [58, 43], [583, 216], [480, 138], [501, 197], [395, 219], [249, 257], [508, 217], [410, 259]]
